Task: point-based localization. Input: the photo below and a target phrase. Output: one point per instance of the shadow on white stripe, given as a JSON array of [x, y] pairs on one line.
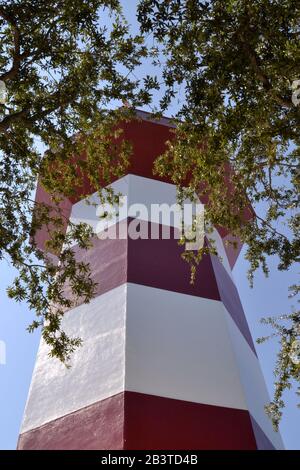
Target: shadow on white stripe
[[253, 382]]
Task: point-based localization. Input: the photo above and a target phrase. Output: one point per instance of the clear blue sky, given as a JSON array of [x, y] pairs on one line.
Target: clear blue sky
[[268, 297]]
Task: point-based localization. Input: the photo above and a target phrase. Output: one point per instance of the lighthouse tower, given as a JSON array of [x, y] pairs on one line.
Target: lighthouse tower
[[164, 364]]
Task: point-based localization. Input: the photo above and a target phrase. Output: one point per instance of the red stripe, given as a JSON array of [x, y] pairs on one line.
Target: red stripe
[[98, 426], [148, 141], [107, 260], [153, 422], [158, 263], [149, 422], [65, 206], [153, 263]]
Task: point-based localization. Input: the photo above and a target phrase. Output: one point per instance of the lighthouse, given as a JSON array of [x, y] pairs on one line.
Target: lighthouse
[[164, 364]]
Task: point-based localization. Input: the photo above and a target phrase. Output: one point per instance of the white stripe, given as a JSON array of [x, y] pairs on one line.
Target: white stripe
[[137, 189], [178, 346], [163, 121], [98, 366]]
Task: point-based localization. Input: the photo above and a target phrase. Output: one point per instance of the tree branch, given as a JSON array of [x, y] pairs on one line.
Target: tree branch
[[263, 77], [254, 61], [17, 57], [8, 120]]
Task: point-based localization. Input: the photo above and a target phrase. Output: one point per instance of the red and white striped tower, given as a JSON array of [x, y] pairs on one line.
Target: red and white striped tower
[[164, 364]]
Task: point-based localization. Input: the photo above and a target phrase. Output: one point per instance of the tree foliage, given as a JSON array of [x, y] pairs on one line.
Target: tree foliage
[[229, 64]]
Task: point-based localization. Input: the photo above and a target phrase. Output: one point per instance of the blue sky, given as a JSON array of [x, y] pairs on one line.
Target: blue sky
[[268, 297]]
